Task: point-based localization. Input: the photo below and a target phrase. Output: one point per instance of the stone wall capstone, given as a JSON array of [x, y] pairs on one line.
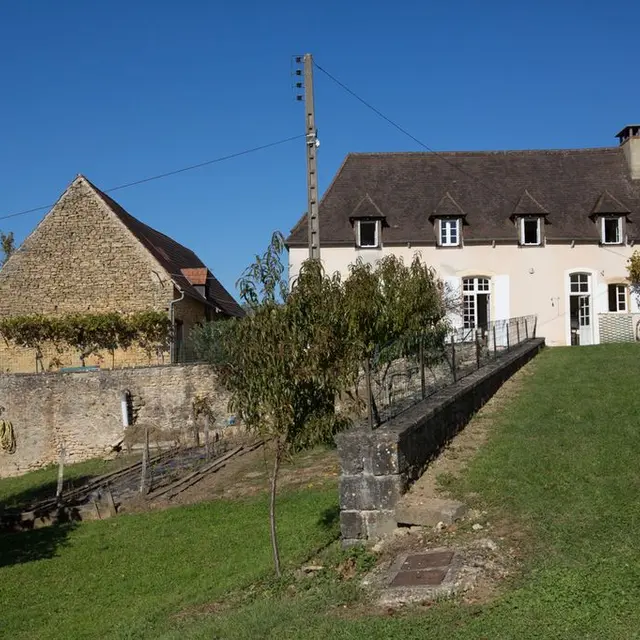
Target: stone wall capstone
[[82, 411]]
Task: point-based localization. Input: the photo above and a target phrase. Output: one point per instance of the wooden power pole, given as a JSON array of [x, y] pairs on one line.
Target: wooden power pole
[[312, 144]]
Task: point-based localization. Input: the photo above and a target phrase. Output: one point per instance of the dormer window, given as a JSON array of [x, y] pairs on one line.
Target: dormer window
[[449, 232], [368, 234], [612, 230], [530, 235]]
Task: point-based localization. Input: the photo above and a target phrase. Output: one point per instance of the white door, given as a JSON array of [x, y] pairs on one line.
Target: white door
[[475, 303], [586, 332], [580, 309]]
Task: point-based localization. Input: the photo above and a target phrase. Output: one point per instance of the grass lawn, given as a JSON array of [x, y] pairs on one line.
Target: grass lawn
[[39, 485], [563, 461]]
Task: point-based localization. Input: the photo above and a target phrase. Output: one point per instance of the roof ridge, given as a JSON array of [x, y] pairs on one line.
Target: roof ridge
[[108, 199], [489, 152]]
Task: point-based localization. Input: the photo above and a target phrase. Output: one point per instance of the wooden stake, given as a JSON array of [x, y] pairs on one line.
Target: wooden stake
[[145, 461], [422, 379], [60, 476], [206, 436]]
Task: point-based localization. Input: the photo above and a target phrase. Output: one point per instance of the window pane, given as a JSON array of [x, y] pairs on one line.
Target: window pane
[[469, 311], [579, 283], [617, 297], [448, 232], [453, 231], [584, 314], [530, 231], [575, 283], [622, 298], [368, 234], [611, 230]]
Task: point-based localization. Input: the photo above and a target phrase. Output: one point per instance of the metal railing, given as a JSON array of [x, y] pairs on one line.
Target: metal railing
[[403, 372]]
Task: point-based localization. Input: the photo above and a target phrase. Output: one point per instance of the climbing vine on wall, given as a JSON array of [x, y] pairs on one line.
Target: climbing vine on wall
[[89, 333]]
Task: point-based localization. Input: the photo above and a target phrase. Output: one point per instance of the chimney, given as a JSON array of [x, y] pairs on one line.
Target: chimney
[[630, 142]]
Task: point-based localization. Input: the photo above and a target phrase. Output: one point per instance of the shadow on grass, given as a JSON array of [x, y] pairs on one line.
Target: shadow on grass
[[29, 546], [330, 518], [27, 499]]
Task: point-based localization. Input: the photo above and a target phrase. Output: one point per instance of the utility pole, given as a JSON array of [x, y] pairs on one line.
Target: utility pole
[[312, 143]]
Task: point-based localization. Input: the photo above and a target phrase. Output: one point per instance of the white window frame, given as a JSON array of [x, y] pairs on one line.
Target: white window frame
[[539, 231], [621, 297], [605, 219], [376, 244], [445, 225], [471, 287]]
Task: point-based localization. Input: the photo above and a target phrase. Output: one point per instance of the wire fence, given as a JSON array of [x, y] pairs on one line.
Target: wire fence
[[406, 371]]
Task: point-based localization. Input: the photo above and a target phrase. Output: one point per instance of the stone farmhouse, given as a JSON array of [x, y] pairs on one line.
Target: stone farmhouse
[[88, 255], [512, 233]]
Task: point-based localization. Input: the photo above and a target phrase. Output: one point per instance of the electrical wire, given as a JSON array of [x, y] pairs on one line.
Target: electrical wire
[[410, 135], [170, 173]]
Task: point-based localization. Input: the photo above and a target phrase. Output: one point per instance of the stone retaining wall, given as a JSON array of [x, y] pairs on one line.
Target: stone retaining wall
[[83, 411], [378, 466]]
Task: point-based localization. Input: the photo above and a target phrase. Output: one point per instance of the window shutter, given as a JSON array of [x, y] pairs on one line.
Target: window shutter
[[633, 301], [453, 293], [501, 302]]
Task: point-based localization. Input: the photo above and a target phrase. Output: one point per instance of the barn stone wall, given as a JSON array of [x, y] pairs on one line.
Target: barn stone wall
[[83, 413]]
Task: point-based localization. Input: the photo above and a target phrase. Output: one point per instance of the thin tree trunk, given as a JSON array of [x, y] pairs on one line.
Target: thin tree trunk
[[206, 436], [60, 476], [145, 462], [272, 512]]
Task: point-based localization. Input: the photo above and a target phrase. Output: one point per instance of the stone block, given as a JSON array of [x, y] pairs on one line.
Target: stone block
[[355, 492], [385, 460], [368, 492], [352, 525], [428, 512], [379, 523], [354, 451]]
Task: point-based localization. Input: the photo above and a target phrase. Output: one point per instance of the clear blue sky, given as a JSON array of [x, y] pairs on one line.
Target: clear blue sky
[[123, 90]]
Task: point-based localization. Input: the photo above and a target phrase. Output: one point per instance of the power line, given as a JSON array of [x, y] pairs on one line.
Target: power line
[[169, 173], [410, 135]]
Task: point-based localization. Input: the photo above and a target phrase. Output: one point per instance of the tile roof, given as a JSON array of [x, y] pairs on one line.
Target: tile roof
[[196, 276], [366, 208], [528, 205], [448, 207], [174, 258], [563, 185], [607, 203]]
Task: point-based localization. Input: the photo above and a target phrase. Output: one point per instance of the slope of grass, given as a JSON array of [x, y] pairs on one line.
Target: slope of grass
[[39, 485], [127, 577], [563, 459]]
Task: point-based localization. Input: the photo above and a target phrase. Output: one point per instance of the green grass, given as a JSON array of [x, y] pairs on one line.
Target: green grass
[[41, 484], [562, 463], [126, 577]]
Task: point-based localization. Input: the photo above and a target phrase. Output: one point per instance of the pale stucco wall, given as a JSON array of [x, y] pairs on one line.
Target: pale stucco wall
[[524, 280]]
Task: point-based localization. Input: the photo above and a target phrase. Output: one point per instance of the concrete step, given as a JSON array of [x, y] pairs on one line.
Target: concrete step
[[428, 512]]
